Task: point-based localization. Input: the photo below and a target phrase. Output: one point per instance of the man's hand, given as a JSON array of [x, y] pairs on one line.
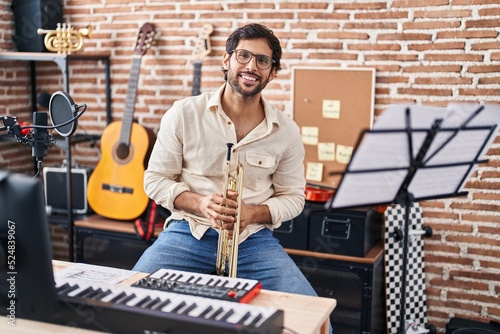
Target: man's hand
[[219, 210], [222, 211]]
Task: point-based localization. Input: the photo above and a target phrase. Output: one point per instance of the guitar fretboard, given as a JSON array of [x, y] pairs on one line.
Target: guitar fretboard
[[196, 78], [128, 115]]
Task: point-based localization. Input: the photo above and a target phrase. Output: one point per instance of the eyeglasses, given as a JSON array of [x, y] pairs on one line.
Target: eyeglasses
[[244, 57]]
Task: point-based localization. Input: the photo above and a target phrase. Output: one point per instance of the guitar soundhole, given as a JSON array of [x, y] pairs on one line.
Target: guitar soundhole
[[122, 152]]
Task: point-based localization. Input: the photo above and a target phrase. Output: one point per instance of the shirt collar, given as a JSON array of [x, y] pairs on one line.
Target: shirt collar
[[214, 103]]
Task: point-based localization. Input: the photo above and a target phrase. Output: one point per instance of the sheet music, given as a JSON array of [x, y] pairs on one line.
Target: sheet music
[[423, 117], [463, 148], [92, 273], [438, 181], [378, 148], [367, 188], [458, 145]]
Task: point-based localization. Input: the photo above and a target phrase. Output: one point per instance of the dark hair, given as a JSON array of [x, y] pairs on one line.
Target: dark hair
[[254, 31]]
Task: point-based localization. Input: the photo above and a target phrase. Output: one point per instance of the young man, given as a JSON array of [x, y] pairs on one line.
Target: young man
[[187, 167]]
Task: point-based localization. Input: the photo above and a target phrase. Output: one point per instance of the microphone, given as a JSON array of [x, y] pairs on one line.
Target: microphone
[[41, 137], [43, 100]]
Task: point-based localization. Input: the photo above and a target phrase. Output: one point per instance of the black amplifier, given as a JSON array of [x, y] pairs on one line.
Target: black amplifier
[[351, 232], [294, 233], [54, 179], [469, 326]]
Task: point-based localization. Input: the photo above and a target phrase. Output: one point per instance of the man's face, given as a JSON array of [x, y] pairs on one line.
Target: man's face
[[249, 79]]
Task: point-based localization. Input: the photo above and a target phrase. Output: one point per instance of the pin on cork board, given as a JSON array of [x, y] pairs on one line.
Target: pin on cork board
[[332, 106]]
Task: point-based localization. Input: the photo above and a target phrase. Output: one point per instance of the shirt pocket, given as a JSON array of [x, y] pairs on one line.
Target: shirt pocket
[[259, 168]]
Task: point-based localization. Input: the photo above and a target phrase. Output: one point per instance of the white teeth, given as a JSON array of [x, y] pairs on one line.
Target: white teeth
[[248, 78]]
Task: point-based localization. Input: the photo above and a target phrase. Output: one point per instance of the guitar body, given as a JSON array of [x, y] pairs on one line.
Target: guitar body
[[115, 187]]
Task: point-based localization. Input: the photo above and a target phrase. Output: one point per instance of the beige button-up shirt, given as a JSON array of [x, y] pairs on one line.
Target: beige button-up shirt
[[190, 154]]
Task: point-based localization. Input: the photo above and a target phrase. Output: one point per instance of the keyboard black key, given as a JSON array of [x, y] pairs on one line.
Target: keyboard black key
[[143, 301], [227, 315], [151, 303], [67, 289], [244, 318], [206, 311], [256, 320], [118, 297], [161, 305], [216, 313], [189, 308], [84, 292], [178, 307]]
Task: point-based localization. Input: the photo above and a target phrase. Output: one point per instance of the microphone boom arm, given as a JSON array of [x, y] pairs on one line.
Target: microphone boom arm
[[13, 128]]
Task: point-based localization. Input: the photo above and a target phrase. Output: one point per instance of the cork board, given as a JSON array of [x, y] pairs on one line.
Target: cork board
[[332, 106]]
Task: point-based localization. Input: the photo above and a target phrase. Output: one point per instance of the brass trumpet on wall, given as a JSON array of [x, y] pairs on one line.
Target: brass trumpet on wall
[[227, 251], [65, 39]]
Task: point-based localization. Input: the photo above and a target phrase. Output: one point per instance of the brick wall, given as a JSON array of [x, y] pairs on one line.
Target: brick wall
[[428, 52]]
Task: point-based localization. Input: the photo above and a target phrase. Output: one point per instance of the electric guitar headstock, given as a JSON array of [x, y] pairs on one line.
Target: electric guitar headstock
[[145, 39], [202, 47]]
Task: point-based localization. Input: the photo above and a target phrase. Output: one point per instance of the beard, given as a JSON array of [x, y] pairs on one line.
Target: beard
[[238, 87]]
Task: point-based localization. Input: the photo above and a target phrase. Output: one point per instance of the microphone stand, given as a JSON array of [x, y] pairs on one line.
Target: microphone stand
[[69, 199]]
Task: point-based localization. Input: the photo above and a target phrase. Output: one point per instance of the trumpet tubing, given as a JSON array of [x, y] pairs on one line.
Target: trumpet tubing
[[227, 249], [65, 39]]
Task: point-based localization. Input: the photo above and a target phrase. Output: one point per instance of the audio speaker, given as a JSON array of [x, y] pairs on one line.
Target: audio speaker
[[294, 233], [29, 16], [458, 325], [356, 284]]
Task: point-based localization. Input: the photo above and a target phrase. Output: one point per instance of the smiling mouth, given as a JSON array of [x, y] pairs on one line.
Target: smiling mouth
[[249, 77]]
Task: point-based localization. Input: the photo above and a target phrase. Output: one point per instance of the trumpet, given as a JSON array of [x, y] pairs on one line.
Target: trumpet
[[227, 249], [65, 39]]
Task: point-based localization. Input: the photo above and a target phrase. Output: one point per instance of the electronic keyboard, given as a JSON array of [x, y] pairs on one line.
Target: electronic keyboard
[[202, 285], [130, 309]]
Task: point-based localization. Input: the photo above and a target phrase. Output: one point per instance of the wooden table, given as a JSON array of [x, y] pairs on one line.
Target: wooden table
[[303, 314]]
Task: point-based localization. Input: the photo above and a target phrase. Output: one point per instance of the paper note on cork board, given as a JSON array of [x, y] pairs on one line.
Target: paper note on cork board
[[332, 106], [331, 109]]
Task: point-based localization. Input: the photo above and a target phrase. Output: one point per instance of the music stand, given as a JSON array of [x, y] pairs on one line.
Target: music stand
[[417, 156]]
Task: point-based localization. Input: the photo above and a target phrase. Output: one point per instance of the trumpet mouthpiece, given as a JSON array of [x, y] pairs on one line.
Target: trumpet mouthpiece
[[229, 146]]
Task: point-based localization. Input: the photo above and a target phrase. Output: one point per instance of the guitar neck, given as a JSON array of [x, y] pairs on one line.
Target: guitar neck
[[196, 78], [128, 115]]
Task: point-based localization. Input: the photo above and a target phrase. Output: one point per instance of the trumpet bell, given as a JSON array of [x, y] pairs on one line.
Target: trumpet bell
[[86, 32]]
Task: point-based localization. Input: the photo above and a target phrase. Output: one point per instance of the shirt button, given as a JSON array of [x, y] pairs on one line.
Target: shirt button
[[228, 123], [260, 162]]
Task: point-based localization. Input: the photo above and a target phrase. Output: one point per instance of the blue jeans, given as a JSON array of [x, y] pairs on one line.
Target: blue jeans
[[260, 257]]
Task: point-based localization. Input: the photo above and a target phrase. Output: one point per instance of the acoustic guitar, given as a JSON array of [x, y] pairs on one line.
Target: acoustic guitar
[[201, 50], [115, 188]]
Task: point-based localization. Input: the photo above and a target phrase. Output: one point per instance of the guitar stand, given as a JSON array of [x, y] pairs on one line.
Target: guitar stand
[[409, 326]]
